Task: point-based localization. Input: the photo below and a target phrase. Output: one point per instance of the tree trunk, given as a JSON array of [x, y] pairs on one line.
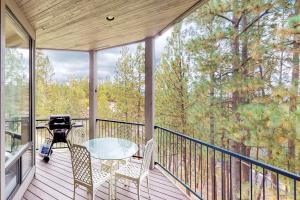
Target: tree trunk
[[235, 102], [236, 166], [212, 138], [294, 94], [244, 99], [245, 168]]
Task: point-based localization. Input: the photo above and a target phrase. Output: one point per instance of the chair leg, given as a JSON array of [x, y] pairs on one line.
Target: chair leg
[[110, 184], [138, 190], [116, 180], [74, 192], [93, 195], [126, 183], [148, 187]]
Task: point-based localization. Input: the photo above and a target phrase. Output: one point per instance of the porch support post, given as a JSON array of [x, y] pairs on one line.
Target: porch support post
[[149, 91], [2, 122], [93, 107]]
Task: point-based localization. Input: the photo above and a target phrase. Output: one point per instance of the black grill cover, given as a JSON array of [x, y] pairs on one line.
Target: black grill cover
[[60, 122]]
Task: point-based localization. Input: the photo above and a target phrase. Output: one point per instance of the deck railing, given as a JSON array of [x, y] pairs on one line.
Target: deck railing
[[104, 128], [132, 131], [12, 136], [210, 172], [204, 170], [77, 134]]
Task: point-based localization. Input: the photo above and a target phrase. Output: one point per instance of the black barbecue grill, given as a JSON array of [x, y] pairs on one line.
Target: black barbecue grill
[[59, 126]]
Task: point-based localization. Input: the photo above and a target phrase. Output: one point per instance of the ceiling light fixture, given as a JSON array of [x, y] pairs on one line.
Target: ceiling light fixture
[[110, 18]]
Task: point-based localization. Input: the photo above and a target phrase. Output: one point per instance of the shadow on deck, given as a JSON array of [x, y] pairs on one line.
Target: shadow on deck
[[54, 180]]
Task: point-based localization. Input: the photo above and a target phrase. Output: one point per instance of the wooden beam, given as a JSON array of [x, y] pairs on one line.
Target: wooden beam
[[71, 50], [93, 107], [120, 45], [2, 121], [149, 90], [14, 8]]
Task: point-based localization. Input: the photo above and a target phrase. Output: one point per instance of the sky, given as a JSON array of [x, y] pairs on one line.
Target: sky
[[75, 64]]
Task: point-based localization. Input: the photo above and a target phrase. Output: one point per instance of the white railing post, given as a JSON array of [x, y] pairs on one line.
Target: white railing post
[[149, 91], [93, 106]]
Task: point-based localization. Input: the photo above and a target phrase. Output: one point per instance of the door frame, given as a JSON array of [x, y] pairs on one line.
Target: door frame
[[11, 7]]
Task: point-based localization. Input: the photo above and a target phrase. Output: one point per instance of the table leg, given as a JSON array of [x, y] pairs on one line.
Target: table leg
[[112, 165]]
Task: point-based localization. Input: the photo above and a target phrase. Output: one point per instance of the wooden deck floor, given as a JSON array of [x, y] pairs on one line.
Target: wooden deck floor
[[54, 180]]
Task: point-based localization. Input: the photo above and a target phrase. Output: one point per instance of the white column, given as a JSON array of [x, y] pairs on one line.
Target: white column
[[33, 92], [92, 95], [2, 122], [149, 91]]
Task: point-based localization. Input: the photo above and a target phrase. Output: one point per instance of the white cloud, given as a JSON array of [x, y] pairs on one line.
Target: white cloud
[[68, 64], [75, 64], [107, 61]]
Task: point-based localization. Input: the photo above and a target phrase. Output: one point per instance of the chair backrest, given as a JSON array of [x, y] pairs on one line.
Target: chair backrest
[[147, 156], [81, 164], [78, 135]]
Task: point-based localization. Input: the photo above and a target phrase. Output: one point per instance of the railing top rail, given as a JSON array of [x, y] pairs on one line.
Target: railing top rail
[[19, 120], [77, 118], [13, 134], [105, 120], [236, 155], [120, 122]]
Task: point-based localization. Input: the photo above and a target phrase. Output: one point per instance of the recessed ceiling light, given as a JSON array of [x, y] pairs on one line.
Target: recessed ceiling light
[[110, 18]]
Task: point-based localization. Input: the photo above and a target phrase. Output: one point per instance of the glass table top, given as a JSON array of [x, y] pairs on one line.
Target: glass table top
[[111, 148]]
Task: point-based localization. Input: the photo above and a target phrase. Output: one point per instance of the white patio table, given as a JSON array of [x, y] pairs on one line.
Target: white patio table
[[112, 150]]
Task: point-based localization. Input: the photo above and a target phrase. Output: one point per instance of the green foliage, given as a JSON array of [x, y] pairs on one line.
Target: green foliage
[[124, 97], [225, 76], [58, 98], [16, 84], [172, 84], [238, 86]]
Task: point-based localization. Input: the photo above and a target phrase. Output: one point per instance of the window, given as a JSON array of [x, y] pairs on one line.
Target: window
[[17, 93], [17, 103]]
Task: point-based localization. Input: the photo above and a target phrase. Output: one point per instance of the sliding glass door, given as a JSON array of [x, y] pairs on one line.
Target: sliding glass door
[[17, 104]]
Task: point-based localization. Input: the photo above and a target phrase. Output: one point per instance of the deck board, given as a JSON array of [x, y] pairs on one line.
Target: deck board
[[54, 180]]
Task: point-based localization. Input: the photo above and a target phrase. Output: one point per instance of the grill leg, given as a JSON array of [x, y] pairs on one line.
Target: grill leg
[[68, 145], [50, 149], [46, 158]]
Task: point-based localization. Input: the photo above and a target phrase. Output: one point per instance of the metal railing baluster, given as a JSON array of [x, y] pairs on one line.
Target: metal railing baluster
[[251, 181], [263, 180], [277, 186]]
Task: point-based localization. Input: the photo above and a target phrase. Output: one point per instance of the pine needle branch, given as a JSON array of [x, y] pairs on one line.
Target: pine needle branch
[[224, 17], [254, 21]]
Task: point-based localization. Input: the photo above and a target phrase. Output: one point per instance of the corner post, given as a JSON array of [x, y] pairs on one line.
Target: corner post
[[149, 92], [2, 122], [33, 98], [93, 107]]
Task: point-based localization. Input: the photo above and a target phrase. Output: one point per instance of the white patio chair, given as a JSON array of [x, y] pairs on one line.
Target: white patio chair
[[84, 173], [136, 172], [78, 135]]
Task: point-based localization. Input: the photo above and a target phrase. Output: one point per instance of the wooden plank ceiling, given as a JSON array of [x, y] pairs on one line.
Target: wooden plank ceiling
[[82, 24]]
